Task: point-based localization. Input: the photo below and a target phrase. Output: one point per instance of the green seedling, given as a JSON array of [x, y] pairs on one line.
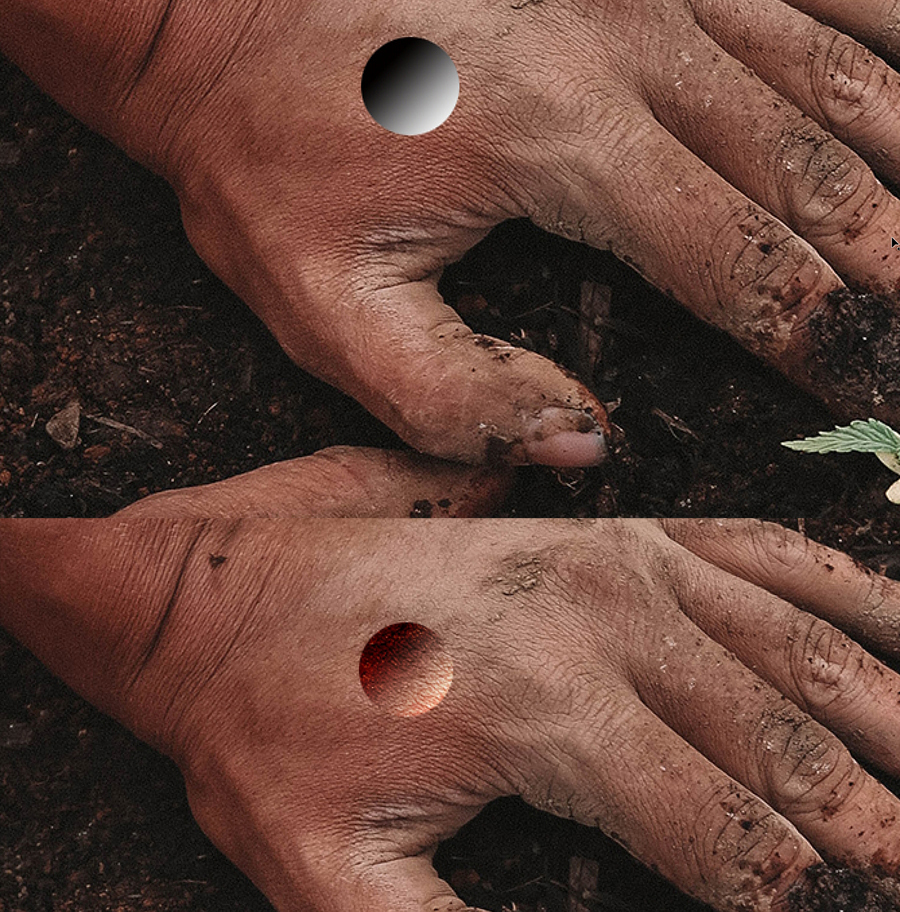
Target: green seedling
[[859, 437]]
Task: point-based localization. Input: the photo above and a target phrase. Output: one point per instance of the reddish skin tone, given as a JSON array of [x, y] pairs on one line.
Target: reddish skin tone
[[404, 670], [729, 150], [601, 671]]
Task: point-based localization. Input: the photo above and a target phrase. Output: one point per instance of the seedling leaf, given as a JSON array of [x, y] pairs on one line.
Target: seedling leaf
[[869, 436]]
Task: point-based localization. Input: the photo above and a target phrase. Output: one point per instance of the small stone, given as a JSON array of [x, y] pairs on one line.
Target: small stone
[[10, 155], [5, 478], [63, 426]]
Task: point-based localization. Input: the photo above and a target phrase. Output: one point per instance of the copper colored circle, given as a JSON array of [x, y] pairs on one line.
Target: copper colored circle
[[405, 670]]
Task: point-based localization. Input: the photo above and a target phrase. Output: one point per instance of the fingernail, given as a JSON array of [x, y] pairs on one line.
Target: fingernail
[[565, 438]]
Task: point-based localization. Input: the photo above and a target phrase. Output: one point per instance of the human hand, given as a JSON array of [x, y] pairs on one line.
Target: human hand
[[600, 670], [638, 127]]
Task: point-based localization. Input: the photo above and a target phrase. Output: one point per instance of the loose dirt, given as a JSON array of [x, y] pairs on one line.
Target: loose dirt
[[856, 347], [829, 889]]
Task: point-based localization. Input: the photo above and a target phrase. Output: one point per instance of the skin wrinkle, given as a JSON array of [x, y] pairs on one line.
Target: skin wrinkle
[[178, 102], [834, 184], [812, 759], [816, 671], [144, 661], [150, 53], [702, 845], [842, 792], [123, 635], [753, 275], [226, 654], [846, 85]]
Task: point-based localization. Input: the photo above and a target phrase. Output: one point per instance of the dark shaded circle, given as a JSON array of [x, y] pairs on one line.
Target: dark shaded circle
[[410, 86]]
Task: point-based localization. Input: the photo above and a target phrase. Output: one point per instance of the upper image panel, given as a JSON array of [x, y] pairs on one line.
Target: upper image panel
[[586, 259]]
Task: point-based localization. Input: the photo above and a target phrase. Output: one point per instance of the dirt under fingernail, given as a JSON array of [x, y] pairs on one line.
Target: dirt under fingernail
[[825, 888], [854, 361]]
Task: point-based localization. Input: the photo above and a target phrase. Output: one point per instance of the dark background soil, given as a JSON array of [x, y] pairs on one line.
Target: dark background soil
[[102, 300]]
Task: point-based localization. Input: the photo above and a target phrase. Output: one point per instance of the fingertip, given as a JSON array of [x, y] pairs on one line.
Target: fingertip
[[567, 437], [569, 449]]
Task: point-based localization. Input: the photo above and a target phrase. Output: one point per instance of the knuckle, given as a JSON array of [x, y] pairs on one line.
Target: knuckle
[[826, 665], [576, 567], [572, 567], [566, 573], [775, 547], [827, 189], [769, 270], [807, 771], [848, 80], [566, 582], [755, 246]]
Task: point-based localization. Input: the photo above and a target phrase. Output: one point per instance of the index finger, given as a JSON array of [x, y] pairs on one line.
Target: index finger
[[818, 579]]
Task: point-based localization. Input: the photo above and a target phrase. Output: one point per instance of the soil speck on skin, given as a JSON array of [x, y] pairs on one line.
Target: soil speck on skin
[[856, 345], [830, 889], [216, 560], [422, 509]]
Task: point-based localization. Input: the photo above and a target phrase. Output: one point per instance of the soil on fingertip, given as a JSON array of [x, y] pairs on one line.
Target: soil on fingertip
[[827, 889], [104, 303]]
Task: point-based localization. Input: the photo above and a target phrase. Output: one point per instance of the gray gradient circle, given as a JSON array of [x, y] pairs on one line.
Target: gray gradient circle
[[410, 86]]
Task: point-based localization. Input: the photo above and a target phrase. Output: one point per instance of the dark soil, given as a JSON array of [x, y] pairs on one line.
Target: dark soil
[[856, 341], [103, 301], [827, 888]]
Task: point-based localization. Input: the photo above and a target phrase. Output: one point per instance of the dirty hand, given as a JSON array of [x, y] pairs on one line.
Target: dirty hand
[[728, 150], [600, 670]]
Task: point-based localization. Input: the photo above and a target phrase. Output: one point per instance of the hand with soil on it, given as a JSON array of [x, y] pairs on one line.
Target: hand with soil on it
[[600, 670], [728, 151]]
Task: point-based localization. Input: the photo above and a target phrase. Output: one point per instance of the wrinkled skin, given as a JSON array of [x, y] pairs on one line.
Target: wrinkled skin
[[728, 149], [654, 679]]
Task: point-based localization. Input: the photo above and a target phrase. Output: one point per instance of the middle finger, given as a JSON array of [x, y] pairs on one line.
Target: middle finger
[[766, 146], [807, 659], [761, 739]]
